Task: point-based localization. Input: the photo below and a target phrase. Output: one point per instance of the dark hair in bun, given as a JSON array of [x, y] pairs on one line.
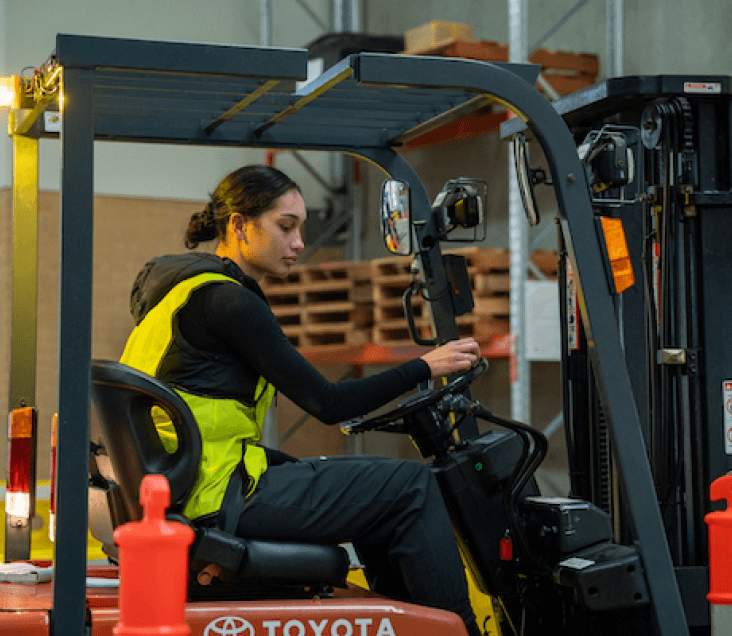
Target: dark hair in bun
[[250, 191]]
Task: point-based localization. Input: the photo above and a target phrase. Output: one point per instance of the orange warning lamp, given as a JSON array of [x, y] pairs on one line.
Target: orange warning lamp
[[617, 251]]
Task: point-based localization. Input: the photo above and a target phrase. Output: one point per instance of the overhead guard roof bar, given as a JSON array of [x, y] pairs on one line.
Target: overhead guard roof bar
[[371, 71], [181, 57], [342, 71], [249, 99], [333, 76], [442, 119]]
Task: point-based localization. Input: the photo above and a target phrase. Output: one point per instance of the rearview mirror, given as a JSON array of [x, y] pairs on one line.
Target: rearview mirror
[[525, 178], [396, 219]]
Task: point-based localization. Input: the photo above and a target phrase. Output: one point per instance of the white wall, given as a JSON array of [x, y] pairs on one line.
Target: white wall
[[665, 37]]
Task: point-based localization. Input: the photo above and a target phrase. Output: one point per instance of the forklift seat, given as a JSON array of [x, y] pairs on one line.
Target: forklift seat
[[125, 447]]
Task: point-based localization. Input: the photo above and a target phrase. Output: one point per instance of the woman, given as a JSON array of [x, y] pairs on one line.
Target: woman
[[203, 326]]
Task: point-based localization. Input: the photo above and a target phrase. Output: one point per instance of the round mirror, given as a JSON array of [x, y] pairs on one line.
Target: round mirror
[[396, 221]]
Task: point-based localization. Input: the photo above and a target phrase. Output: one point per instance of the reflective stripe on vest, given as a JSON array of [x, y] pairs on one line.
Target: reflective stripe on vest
[[225, 424]]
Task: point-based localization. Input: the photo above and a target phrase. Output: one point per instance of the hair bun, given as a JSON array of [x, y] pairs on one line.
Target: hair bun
[[208, 218]]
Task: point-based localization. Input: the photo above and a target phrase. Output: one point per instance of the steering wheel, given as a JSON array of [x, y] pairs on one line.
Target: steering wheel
[[416, 402]]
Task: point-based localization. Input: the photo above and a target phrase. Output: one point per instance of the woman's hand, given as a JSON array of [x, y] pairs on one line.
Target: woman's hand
[[456, 355]]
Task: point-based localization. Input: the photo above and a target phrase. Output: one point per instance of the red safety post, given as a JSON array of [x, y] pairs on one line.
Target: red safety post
[[153, 567], [720, 557]]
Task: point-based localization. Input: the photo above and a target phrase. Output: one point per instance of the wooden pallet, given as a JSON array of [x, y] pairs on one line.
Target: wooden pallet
[[484, 259], [390, 278], [324, 304], [546, 261], [481, 327], [490, 283], [488, 270], [355, 303], [326, 334], [564, 70]]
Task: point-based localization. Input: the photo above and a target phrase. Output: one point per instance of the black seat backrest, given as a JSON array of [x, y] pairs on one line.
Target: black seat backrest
[[122, 399], [126, 447]]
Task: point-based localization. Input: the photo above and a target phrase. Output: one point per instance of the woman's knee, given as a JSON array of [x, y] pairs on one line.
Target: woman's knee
[[416, 479]]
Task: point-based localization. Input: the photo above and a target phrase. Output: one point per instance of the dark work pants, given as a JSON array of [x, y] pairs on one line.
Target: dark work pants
[[391, 510]]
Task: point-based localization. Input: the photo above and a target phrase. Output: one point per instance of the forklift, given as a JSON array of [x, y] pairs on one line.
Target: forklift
[[368, 105]]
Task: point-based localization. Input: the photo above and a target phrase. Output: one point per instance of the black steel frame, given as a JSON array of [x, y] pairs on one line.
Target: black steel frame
[[687, 180], [366, 105]]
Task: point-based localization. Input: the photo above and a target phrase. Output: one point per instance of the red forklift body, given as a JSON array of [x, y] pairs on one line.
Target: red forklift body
[[26, 609]]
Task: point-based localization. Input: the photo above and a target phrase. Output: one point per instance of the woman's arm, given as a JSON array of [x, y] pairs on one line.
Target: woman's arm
[[238, 318]]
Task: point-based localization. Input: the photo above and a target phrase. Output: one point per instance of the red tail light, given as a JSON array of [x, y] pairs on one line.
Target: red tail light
[[20, 490]]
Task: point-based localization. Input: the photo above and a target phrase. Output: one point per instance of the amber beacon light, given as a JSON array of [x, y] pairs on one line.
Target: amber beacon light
[[617, 251]]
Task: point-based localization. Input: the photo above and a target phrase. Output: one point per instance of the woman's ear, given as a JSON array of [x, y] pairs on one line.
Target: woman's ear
[[238, 225]]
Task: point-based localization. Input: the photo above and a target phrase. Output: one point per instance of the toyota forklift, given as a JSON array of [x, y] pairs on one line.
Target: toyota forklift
[[626, 551]]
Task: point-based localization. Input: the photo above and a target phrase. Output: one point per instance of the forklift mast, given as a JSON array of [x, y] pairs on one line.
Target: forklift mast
[[673, 134]]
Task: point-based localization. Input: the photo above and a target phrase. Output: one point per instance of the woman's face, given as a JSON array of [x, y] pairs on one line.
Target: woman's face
[[272, 242]]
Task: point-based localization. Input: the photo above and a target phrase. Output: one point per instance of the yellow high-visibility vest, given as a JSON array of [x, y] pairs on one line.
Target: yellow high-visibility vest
[[229, 428]]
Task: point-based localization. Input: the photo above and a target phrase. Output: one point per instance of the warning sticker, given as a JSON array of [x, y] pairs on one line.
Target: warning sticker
[[727, 397], [702, 87], [576, 563]]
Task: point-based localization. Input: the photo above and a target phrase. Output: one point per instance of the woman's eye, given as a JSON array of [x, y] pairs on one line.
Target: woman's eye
[[286, 228]]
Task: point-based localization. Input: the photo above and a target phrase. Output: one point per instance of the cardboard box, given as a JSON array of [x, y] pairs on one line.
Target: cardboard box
[[435, 33]]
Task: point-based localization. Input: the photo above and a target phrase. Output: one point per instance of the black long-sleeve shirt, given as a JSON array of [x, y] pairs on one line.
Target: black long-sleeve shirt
[[225, 316]]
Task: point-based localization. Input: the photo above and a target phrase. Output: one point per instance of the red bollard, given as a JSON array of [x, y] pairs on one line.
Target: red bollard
[[720, 557], [153, 568]]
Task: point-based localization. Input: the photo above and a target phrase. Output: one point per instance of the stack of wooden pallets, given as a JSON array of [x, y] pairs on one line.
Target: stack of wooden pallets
[[489, 278], [391, 276], [352, 303], [325, 304]]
